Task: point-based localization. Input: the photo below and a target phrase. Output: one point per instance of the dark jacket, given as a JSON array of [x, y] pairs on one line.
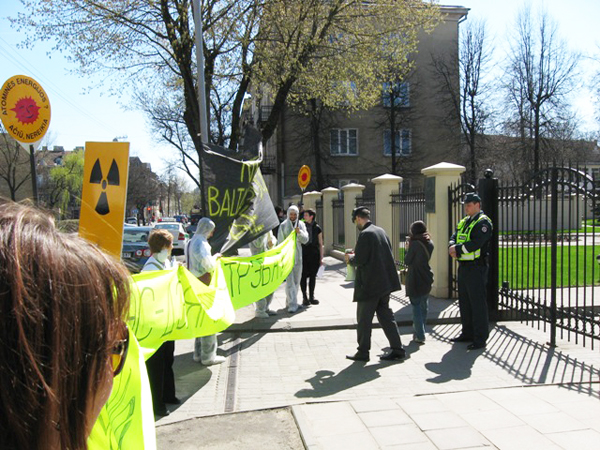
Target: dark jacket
[[376, 273], [420, 277], [480, 237]]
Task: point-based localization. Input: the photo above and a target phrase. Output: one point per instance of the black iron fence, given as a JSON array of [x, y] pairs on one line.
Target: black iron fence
[[339, 238], [407, 207], [545, 255], [548, 267], [368, 202], [319, 211]]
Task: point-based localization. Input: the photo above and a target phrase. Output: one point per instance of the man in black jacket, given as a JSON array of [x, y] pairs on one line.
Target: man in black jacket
[[376, 278]]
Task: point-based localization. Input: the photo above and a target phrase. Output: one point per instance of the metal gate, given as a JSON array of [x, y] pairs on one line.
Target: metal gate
[[545, 255], [549, 253], [456, 194], [407, 207]]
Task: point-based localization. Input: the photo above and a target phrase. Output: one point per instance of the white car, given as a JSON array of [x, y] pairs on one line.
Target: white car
[[180, 237]]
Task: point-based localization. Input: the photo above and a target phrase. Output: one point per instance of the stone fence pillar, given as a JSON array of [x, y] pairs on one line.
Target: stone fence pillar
[[385, 185], [351, 191], [437, 219], [310, 200], [327, 221]]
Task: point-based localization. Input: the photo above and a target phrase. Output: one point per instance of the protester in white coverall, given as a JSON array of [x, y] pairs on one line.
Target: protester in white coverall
[[260, 245], [202, 263], [293, 224]]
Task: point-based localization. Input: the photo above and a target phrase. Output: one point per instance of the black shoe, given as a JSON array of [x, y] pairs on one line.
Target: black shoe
[[305, 302], [162, 412], [358, 357], [394, 355], [474, 346], [172, 401], [461, 338], [314, 301]]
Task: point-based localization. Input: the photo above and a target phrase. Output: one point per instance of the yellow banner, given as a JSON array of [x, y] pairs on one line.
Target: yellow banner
[[173, 304]]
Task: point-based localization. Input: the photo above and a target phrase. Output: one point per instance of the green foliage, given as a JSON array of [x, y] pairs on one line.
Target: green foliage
[[66, 182], [337, 51]]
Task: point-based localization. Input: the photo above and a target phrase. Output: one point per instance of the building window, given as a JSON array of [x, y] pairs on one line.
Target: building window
[[400, 92], [344, 141], [403, 144], [596, 174]]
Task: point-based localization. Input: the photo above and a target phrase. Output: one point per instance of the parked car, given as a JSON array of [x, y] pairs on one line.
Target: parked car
[[131, 220], [180, 236], [135, 247], [166, 219]]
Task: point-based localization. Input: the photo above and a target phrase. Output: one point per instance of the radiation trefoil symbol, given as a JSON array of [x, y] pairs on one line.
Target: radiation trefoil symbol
[[112, 179]]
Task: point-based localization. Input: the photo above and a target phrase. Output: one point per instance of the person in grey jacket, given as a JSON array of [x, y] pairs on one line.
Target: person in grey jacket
[[419, 277], [376, 279]]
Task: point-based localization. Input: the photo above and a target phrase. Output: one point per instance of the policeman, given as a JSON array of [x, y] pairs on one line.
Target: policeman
[[469, 245]]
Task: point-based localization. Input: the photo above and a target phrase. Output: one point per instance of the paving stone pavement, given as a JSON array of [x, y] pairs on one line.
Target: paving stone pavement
[[518, 393]]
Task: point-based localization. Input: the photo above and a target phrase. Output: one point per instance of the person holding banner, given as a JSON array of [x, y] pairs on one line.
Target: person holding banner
[[293, 224], [202, 263], [160, 364], [63, 303], [260, 245]]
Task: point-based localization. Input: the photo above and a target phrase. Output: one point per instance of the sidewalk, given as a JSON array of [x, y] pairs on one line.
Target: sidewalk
[[517, 393]]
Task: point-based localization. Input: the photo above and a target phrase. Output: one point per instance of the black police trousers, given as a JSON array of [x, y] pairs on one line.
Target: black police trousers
[[472, 301]]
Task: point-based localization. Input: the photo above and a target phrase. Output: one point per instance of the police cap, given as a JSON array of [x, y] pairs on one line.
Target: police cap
[[472, 197]]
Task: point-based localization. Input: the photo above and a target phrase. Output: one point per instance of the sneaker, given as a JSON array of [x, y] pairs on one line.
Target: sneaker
[[293, 310], [271, 312], [417, 340], [261, 315], [216, 360]]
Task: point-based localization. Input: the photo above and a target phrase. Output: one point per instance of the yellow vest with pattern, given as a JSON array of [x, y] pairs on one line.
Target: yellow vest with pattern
[[463, 234]]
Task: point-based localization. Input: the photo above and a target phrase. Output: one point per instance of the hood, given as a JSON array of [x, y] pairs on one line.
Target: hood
[[205, 227], [291, 209]]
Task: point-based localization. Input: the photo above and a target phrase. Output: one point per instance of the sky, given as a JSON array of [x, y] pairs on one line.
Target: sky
[[79, 116]]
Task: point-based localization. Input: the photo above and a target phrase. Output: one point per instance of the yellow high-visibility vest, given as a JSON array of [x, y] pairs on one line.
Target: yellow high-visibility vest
[[463, 235]]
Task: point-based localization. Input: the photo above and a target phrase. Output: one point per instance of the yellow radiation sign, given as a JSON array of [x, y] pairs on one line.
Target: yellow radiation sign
[[304, 177], [24, 109], [104, 194]]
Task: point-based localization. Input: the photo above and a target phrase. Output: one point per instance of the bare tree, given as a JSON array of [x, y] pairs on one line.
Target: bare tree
[[15, 168], [467, 97], [274, 45], [541, 72]]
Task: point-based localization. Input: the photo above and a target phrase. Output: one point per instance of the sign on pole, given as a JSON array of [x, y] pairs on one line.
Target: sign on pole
[[304, 177], [25, 110], [104, 194], [25, 113]]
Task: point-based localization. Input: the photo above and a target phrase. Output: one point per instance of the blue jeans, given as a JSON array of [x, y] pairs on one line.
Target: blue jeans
[[420, 304]]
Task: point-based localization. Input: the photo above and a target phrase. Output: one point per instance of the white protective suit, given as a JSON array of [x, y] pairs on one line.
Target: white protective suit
[[260, 245], [200, 261], [293, 279]]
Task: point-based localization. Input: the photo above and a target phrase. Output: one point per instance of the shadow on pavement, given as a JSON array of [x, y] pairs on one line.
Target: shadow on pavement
[[326, 382], [527, 360], [190, 377], [456, 364]]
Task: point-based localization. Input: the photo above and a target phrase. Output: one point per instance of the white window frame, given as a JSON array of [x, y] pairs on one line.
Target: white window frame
[[403, 136], [340, 132]]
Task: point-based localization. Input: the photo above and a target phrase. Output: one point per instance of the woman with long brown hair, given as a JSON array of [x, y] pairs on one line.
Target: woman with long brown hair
[[62, 336]]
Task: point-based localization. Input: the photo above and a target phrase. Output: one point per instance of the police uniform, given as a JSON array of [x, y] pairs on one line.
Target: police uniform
[[471, 239]]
